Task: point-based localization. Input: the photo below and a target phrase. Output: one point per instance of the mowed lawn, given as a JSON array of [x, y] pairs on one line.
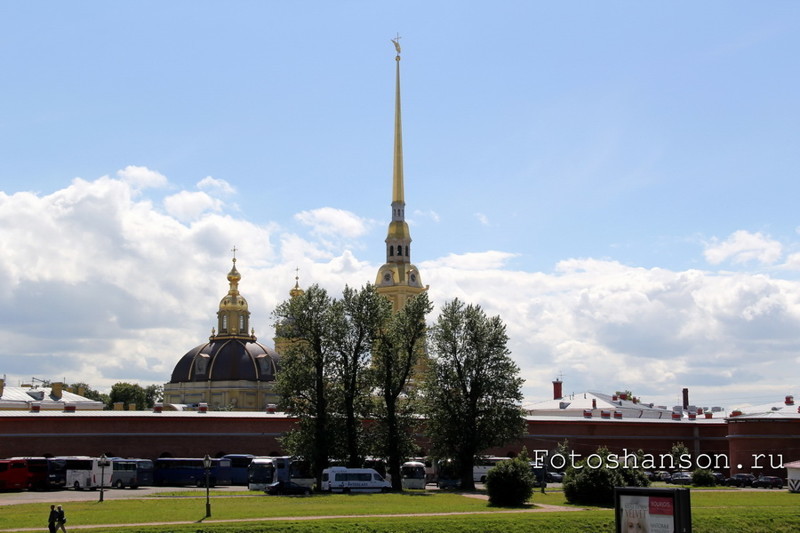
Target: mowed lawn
[[723, 512]]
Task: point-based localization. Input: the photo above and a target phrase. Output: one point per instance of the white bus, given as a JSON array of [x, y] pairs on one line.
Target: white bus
[[483, 465], [260, 473], [341, 479], [84, 472], [413, 475]]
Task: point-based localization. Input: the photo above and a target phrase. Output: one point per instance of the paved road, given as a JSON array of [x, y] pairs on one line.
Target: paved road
[[59, 496]]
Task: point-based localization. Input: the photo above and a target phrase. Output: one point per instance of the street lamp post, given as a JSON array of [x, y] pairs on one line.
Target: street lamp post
[[103, 462], [207, 466]]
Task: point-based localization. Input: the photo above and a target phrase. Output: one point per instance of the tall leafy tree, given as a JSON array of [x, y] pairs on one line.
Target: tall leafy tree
[[399, 352], [356, 321], [85, 390], [131, 394], [305, 383], [472, 390]]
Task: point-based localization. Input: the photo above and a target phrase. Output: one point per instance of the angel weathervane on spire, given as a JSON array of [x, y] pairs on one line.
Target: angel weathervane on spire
[[396, 42]]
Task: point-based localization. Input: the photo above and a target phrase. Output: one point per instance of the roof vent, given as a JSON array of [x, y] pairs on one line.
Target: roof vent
[[158, 407], [790, 400], [271, 408], [202, 407], [617, 415], [35, 408], [69, 407], [692, 416], [676, 415], [36, 394], [587, 413], [605, 414]]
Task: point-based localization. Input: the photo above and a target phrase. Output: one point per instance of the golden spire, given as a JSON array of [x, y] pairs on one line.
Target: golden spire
[[397, 173], [398, 279]]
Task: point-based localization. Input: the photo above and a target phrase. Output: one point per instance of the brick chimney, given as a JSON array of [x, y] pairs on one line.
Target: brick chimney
[[557, 388], [2, 386], [56, 389], [685, 398]]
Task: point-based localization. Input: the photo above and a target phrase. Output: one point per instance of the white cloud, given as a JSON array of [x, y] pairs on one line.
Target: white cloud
[[472, 261], [97, 284], [744, 247], [328, 221], [142, 177], [187, 206], [216, 186], [483, 219], [431, 214]]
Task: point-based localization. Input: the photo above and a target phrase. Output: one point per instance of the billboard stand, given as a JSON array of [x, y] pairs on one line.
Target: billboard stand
[[649, 510]]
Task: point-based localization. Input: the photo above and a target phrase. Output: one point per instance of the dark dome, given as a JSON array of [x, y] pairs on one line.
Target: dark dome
[[227, 360]]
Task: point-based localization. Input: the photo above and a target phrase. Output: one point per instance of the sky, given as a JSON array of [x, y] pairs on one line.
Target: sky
[[616, 180]]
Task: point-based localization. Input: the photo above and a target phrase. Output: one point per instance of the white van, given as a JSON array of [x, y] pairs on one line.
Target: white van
[[341, 479]]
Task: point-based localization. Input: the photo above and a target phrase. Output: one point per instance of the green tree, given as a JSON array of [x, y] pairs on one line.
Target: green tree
[[472, 389], [153, 394], [85, 390], [131, 394], [510, 483], [357, 320], [399, 352], [591, 480], [306, 382], [680, 456]]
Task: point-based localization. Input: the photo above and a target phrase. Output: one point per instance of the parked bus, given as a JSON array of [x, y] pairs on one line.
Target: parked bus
[[14, 474], [85, 472], [294, 469], [190, 471], [342, 479], [131, 473], [45, 473], [260, 473], [239, 464], [413, 475], [483, 465]]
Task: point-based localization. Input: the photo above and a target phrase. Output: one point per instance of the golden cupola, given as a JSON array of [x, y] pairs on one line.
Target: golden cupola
[[398, 279], [233, 317]]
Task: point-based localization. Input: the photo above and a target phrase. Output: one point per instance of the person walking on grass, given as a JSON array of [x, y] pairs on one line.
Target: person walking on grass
[[62, 519], [51, 519]]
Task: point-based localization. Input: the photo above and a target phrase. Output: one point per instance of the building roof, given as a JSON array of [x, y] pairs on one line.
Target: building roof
[[48, 398]]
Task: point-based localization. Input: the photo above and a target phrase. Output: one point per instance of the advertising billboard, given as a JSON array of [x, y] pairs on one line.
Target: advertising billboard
[[646, 510]]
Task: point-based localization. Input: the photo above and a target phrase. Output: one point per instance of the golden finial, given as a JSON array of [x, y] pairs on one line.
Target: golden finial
[[234, 252]]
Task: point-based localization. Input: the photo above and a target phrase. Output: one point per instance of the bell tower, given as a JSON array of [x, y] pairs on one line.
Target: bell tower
[[398, 279]]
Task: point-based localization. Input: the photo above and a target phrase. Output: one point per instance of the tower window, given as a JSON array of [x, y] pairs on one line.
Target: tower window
[[241, 322], [406, 251], [391, 251], [225, 323]]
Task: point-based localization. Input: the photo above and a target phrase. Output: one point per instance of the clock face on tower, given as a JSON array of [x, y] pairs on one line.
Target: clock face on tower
[[413, 278]]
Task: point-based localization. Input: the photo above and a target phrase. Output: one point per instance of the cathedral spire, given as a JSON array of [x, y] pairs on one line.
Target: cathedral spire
[[398, 279]]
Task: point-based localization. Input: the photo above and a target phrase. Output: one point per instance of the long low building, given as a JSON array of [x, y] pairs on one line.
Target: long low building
[[748, 442]]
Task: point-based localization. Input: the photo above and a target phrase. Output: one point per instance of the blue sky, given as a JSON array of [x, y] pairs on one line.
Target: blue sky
[[617, 180]]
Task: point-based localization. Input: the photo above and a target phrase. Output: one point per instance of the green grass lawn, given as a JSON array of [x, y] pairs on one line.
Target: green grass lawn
[[712, 512]]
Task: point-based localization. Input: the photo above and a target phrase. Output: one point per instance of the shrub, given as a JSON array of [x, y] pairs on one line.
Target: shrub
[[593, 483], [510, 483], [703, 478]]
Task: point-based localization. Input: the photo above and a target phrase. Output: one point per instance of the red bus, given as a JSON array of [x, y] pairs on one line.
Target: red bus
[[14, 474]]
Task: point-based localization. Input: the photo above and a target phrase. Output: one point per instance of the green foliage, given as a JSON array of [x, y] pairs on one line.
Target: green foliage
[[591, 480], [702, 477], [679, 453], [356, 321], [131, 394], [472, 388], [510, 483], [399, 352], [88, 392], [306, 382]]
